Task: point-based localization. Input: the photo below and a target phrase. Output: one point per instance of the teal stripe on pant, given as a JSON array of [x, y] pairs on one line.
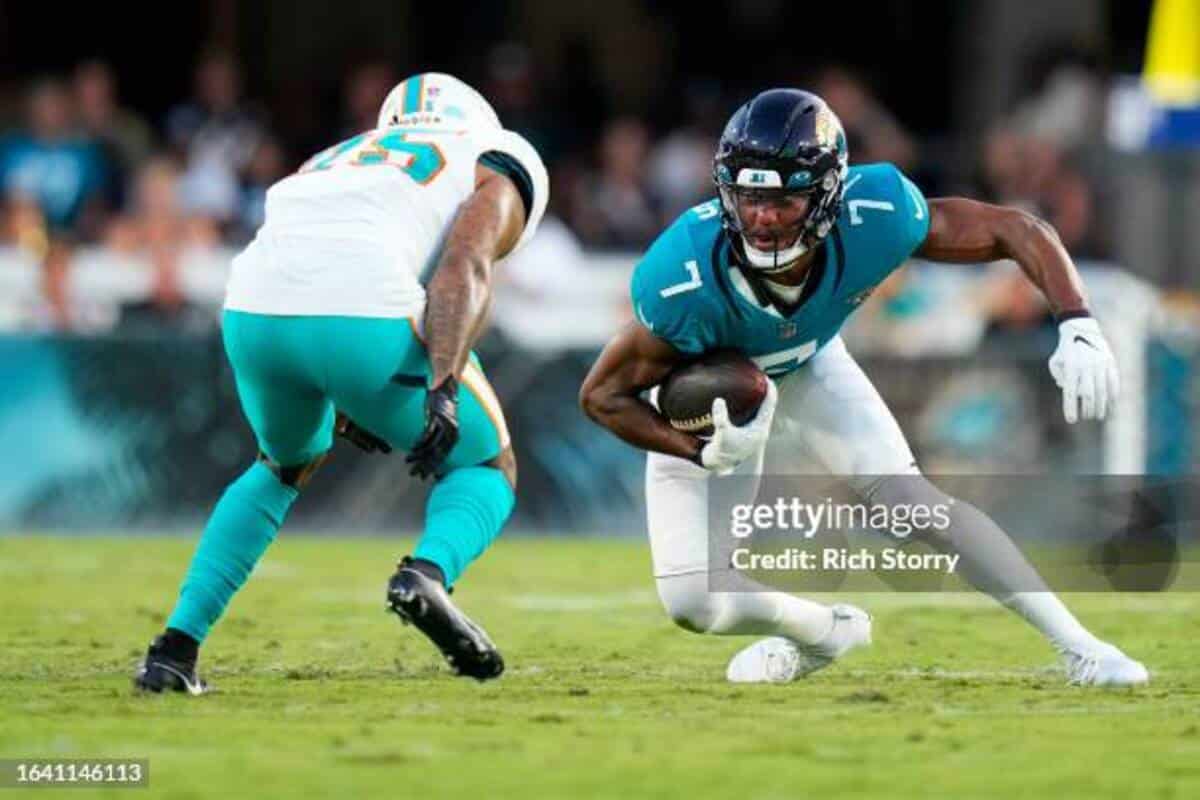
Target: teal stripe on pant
[[242, 526]]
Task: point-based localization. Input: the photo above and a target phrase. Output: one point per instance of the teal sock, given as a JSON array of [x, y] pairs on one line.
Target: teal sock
[[465, 511], [242, 525]]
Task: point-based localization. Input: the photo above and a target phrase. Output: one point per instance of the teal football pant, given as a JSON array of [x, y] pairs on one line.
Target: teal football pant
[[291, 373]]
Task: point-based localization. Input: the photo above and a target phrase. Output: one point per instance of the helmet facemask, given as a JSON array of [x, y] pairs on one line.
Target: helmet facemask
[[807, 209]]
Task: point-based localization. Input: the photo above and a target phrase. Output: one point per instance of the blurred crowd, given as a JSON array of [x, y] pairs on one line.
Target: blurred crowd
[[79, 170]]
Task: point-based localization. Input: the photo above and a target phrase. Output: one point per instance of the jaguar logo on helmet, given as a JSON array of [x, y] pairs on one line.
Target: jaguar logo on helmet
[[827, 127]]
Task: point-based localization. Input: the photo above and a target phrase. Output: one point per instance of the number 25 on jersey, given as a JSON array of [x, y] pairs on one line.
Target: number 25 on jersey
[[423, 161]]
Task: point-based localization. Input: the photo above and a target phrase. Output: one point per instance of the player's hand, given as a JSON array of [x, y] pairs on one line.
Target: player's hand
[[731, 444], [441, 430], [1084, 368], [361, 438]]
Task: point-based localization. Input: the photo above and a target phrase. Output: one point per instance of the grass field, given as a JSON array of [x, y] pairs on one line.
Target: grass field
[[322, 694]]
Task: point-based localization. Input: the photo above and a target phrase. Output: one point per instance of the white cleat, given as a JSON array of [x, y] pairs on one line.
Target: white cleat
[[779, 660], [1102, 664]]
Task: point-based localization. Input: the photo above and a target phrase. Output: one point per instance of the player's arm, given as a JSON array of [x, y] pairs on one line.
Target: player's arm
[[489, 224], [966, 231], [487, 227], [632, 362]]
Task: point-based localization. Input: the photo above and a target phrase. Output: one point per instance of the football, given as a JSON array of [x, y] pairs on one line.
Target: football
[[686, 396]]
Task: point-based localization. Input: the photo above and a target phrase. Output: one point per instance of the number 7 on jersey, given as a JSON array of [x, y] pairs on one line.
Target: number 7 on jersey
[[693, 282]]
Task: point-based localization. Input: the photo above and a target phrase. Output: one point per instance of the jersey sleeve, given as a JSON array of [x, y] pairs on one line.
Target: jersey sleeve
[[514, 146], [913, 224], [665, 291]]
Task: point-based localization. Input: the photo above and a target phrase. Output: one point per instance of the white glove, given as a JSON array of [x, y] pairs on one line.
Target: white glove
[[732, 444], [1084, 368]]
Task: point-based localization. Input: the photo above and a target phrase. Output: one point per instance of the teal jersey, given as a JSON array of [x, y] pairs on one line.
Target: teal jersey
[[687, 291]]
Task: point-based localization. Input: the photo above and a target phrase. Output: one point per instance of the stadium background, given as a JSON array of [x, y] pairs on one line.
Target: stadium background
[[134, 159]]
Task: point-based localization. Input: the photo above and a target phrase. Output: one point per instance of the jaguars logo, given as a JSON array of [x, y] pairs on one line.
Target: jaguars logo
[[827, 127]]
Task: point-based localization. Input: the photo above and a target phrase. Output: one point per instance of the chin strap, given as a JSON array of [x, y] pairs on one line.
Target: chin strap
[[770, 262]]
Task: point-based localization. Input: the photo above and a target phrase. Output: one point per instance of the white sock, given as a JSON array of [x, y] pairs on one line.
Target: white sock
[[690, 603], [1044, 611]]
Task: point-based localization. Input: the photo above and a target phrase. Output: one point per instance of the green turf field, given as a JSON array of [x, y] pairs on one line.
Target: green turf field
[[322, 694]]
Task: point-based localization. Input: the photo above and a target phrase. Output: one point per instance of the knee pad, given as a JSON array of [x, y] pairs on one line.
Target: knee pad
[[689, 603], [296, 476]]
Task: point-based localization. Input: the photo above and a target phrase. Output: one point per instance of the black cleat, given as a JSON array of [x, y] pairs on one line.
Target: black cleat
[[160, 672], [424, 602]]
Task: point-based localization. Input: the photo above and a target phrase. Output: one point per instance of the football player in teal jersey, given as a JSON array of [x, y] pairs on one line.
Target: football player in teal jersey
[[772, 267]]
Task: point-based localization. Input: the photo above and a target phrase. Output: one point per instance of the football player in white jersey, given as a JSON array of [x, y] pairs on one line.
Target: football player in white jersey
[[354, 311]]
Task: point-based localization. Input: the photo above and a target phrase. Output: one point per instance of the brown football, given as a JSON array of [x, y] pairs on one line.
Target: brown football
[[686, 395]]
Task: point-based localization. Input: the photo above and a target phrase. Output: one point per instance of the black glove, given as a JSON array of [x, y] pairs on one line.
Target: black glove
[[362, 439], [441, 429]]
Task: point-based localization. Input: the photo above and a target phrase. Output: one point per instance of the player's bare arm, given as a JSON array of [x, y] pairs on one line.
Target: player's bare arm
[[968, 231], [632, 362], [488, 226], [460, 292]]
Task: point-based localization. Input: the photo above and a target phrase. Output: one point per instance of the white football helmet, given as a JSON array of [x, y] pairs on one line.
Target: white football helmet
[[435, 99]]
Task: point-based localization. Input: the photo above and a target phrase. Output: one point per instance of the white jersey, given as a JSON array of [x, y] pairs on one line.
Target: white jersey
[[357, 231]]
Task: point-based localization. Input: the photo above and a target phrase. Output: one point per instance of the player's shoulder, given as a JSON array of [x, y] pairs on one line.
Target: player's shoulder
[[514, 146], [884, 216], [671, 283], [882, 180], [690, 238], [511, 154]]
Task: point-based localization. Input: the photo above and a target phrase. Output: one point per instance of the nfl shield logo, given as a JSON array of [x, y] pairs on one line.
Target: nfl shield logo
[[787, 330]]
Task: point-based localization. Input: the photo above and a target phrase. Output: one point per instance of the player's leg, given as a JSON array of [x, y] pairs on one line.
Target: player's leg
[[474, 497], [677, 505], [278, 385], [466, 509], [471, 499], [849, 429], [380, 383]]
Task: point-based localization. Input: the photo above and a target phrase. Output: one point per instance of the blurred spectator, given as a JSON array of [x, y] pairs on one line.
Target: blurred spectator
[[47, 303], [1031, 173], [126, 138], [513, 89], [265, 168], [363, 93], [53, 166], [216, 135], [872, 133], [167, 306], [1068, 106], [158, 230], [55, 312], [681, 163], [156, 221], [613, 208]]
